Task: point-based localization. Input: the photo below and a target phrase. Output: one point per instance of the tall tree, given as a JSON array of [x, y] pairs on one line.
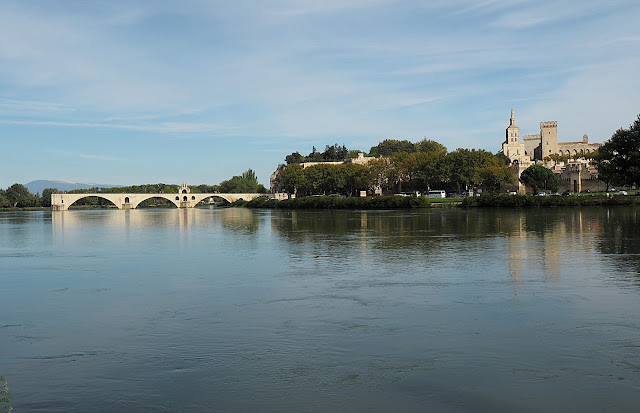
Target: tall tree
[[427, 145], [4, 201], [46, 196], [619, 158], [295, 157], [246, 183], [291, 178], [389, 147], [538, 177], [19, 196]]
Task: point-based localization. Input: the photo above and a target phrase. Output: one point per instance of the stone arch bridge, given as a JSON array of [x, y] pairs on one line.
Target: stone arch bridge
[[183, 199]]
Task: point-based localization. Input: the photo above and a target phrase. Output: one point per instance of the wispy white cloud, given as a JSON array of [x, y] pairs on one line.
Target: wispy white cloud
[[310, 7], [162, 127], [31, 106]]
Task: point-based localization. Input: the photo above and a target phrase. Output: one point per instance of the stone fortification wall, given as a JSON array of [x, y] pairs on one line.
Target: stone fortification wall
[[575, 148], [531, 142], [579, 176]]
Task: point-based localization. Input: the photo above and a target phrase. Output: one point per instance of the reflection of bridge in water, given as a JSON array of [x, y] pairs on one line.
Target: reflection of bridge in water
[[183, 199]]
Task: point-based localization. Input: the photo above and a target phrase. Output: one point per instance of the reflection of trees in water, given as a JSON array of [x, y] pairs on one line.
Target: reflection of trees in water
[[539, 241], [620, 238], [239, 220], [394, 230], [541, 221]]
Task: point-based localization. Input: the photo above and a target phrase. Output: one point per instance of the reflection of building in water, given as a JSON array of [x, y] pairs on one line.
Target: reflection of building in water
[[72, 223], [542, 245]]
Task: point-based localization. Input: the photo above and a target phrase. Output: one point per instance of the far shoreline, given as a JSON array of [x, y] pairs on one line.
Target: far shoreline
[[399, 202]]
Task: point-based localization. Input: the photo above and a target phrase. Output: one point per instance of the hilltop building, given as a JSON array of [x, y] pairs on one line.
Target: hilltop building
[[360, 159], [535, 149], [541, 145]]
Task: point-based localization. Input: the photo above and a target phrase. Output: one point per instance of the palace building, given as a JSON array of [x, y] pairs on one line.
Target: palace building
[[536, 149], [539, 146]]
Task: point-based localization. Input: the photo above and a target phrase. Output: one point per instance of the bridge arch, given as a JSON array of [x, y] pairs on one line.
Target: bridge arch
[[168, 197], [84, 196]]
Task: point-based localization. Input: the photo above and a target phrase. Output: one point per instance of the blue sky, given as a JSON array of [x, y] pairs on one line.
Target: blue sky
[[132, 92]]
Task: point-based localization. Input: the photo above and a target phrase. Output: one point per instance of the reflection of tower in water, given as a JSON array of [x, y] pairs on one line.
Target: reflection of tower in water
[[542, 245], [517, 252]]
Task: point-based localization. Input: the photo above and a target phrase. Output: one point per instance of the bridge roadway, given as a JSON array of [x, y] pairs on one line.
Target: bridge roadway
[[62, 202]]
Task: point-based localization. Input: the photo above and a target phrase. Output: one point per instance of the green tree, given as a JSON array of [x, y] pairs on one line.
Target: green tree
[[389, 147], [538, 177], [495, 177], [5, 396], [19, 196], [429, 169], [294, 158], [619, 158], [355, 178], [245, 183], [46, 196], [335, 153], [291, 178], [426, 145], [502, 158], [4, 201], [379, 170]]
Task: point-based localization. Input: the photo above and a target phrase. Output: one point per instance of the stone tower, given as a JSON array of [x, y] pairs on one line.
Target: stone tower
[[513, 132], [548, 138], [515, 150]]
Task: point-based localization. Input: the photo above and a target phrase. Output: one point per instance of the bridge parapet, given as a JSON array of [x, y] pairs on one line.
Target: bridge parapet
[[62, 202]]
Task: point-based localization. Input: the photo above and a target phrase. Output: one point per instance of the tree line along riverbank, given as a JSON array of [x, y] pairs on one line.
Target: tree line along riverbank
[[398, 202]]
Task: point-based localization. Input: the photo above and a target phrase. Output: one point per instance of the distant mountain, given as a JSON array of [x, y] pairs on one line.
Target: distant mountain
[[36, 187]]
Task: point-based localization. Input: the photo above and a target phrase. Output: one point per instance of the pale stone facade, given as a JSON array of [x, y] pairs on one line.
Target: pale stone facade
[[515, 150], [577, 176], [574, 176], [544, 144]]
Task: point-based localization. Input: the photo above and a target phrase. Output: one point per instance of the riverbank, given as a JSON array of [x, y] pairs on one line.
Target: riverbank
[[398, 202], [520, 201], [330, 202]]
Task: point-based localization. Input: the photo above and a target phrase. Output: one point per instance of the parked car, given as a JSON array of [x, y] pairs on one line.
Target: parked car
[[567, 192], [541, 194], [585, 191], [621, 193]]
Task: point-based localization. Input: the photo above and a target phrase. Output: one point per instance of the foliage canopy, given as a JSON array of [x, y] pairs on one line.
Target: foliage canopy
[[538, 177], [619, 158]]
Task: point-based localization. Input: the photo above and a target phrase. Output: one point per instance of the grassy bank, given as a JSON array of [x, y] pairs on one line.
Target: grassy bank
[[326, 202], [517, 201]]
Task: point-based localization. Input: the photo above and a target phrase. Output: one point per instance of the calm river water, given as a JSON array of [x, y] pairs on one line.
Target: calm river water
[[442, 310]]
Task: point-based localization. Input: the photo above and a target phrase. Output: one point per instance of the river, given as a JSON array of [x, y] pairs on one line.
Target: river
[[439, 310]]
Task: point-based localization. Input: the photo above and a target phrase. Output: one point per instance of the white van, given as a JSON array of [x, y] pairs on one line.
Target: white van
[[437, 193]]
